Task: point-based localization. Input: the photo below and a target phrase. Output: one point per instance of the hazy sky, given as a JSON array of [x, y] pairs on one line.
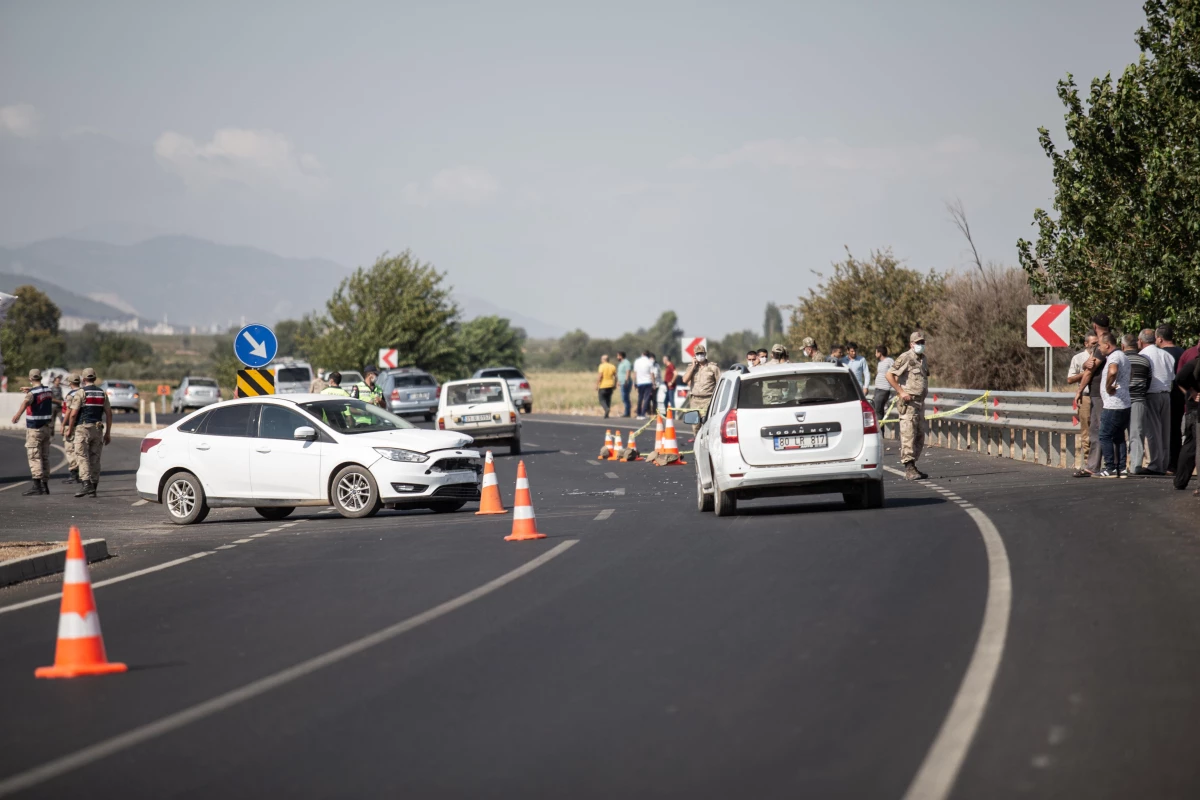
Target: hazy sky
[[588, 164]]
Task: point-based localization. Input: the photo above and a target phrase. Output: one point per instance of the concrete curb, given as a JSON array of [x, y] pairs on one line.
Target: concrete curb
[[48, 562]]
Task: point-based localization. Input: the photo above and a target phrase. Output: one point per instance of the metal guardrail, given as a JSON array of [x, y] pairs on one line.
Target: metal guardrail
[[1039, 427]]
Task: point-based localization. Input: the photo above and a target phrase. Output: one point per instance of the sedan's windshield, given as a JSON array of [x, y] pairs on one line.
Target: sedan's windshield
[[347, 415], [805, 389]]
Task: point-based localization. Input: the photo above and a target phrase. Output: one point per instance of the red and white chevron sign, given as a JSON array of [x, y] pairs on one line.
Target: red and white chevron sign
[[1048, 326]]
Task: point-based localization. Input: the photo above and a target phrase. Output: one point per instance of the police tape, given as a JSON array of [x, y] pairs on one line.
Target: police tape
[[938, 415]]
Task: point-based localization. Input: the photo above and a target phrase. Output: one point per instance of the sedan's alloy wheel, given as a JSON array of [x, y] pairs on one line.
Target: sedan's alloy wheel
[[181, 498], [353, 492]]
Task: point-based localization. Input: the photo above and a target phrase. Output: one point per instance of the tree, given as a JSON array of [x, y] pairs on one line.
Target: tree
[[489, 342], [1124, 240], [772, 324], [876, 301], [297, 337], [398, 302], [29, 337]]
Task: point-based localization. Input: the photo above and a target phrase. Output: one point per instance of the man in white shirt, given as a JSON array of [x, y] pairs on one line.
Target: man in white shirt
[[1114, 420], [1158, 403], [643, 378]]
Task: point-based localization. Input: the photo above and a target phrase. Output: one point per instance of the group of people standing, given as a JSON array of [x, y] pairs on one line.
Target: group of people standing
[[654, 383], [87, 428], [1133, 393]]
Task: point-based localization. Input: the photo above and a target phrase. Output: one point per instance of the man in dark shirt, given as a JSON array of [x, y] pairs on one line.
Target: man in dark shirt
[[1164, 337], [1139, 382], [1188, 379]]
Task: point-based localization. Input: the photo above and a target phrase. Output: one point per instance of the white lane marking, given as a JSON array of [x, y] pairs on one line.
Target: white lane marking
[[565, 422], [137, 503], [180, 719], [259, 535], [603, 515], [594, 463], [64, 461], [110, 581], [242, 541], [290, 524], [935, 779], [619, 492], [13, 486], [275, 530], [227, 547], [612, 475]]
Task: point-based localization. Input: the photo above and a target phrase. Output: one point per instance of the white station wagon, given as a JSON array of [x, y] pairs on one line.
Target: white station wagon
[[788, 429], [276, 453], [484, 408]]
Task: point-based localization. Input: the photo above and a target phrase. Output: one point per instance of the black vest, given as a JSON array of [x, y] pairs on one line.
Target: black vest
[[41, 407], [93, 405]]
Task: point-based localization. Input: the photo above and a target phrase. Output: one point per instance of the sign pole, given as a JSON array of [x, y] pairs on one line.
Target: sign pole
[[1049, 369]]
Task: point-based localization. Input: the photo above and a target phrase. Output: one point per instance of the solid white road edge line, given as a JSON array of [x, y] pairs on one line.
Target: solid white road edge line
[[110, 581], [53, 469], [180, 719], [935, 779], [13, 486]]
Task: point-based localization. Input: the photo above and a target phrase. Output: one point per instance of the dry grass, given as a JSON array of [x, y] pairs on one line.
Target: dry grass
[[11, 550], [567, 393]]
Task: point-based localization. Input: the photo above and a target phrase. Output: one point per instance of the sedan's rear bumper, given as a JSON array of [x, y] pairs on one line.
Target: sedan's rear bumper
[[413, 407]]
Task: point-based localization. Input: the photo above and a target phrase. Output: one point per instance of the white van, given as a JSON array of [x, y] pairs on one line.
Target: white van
[[292, 377]]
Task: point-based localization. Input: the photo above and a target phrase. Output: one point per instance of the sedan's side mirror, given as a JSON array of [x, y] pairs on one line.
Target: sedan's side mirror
[[305, 433], [691, 417]]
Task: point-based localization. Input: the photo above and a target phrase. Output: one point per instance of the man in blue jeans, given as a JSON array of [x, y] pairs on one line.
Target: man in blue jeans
[[1114, 419], [624, 380], [643, 377]]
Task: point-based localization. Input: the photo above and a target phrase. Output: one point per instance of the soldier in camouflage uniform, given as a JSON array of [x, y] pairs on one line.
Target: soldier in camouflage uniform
[[909, 378], [91, 423], [701, 377], [69, 441]]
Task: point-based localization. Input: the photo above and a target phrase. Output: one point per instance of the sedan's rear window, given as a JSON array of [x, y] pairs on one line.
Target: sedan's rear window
[[474, 393], [202, 382], [120, 385], [507, 374], [804, 389], [408, 381], [292, 375]]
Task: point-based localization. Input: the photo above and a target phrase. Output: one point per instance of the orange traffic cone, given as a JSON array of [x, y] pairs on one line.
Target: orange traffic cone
[[606, 451], [631, 451], [617, 447], [524, 524], [658, 435], [489, 499], [670, 449], [80, 649]]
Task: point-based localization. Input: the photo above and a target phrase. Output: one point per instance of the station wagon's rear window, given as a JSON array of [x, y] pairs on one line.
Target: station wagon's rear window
[[803, 389], [464, 394]]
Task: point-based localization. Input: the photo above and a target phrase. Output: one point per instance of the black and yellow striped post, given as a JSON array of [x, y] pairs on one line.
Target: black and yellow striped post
[[255, 382]]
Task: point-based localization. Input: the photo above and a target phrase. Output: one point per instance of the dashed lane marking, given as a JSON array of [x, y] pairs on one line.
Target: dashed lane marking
[[259, 535], [935, 779], [275, 530], [173, 722], [612, 475], [593, 463], [227, 547], [111, 581], [139, 503], [290, 524], [619, 492], [605, 514], [242, 541], [13, 486]]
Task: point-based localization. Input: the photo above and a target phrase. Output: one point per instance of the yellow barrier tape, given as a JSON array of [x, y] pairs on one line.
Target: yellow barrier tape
[[940, 414]]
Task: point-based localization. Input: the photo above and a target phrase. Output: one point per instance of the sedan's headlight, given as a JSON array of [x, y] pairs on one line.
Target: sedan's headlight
[[396, 454]]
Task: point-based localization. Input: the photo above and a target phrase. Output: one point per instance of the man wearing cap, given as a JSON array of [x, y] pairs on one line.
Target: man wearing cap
[[69, 441], [779, 354], [811, 351], [91, 423], [38, 406], [912, 369], [373, 395], [701, 377]]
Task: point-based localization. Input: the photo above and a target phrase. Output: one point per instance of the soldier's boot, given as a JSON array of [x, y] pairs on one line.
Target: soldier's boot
[[46, 485], [911, 473], [921, 476], [74, 477], [88, 490], [35, 489]]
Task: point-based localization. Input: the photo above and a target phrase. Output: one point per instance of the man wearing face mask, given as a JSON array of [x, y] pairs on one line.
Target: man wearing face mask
[[913, 369], [701, 377]]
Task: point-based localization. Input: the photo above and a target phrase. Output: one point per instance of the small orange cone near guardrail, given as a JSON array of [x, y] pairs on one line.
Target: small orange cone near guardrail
[[615, 450], [80, 648], [489, 498], [524, 523]]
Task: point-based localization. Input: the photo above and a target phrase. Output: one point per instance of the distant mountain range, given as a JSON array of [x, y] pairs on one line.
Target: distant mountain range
[[191, 281]]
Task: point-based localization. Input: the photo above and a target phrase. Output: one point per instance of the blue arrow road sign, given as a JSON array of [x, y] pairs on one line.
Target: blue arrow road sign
[[256, 345]]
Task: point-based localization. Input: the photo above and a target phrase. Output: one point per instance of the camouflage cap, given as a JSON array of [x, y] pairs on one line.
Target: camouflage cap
[[73, 378], [917, 336], [35, 375], [89, 374], [700, 350], [778, 349], [809, 342]]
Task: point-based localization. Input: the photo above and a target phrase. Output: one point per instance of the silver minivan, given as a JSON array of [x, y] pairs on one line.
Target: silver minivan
[[292, 377]]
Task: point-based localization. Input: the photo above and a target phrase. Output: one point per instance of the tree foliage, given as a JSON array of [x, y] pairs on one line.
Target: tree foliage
[[772, 324], [397, 302], [488, 342], [29, 337], [873, 301], [1125, 235], [92, 347]]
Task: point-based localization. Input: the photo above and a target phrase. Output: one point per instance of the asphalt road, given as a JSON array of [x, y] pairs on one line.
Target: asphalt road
[[642, 650]]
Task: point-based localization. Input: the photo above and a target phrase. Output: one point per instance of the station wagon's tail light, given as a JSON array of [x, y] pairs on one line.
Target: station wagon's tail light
[[870, 424], [441, 423], [512, 416], [729, 432], [147, 443]]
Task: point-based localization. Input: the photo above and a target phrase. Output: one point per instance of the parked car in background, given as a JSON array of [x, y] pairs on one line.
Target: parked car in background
[[518, 384], [350, 377], [122, 395], [292, 377], [195, 392], [276, 453], [483, 408], [410, 391]]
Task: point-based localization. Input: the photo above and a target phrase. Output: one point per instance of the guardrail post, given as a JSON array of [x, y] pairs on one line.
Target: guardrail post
[[1042, 446], [1055, 450], [1070, 445], [1006, 442], [1021, 445]]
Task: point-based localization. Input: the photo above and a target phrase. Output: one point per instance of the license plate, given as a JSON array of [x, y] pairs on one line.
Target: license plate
[[420, 396], [462, 476], [477, 418], [801, 442]]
